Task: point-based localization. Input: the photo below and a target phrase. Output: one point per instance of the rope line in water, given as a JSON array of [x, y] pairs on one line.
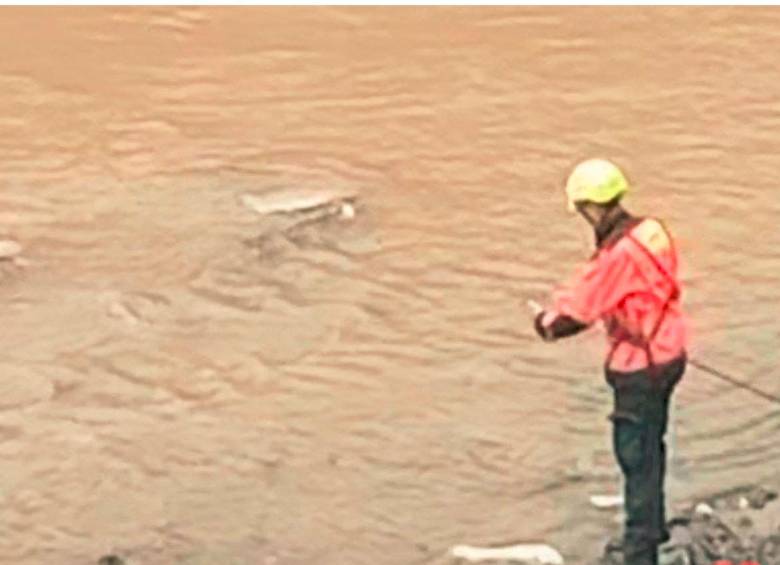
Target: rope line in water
[[736, 382]]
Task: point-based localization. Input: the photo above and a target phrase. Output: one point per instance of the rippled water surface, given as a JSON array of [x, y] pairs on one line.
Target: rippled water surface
[[188, 379]]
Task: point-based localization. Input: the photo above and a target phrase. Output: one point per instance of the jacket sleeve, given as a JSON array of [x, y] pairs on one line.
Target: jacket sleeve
[[600, 286], [597, 288]]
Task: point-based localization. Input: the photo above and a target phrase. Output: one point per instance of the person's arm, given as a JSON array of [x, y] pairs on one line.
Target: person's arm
[[597, 289]]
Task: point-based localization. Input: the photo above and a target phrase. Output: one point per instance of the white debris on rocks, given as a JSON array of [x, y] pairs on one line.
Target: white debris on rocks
[[704, 509], [606, 501], [522, 553]]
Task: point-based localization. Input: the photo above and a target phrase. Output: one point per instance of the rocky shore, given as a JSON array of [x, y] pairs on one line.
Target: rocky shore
[[740, 527]]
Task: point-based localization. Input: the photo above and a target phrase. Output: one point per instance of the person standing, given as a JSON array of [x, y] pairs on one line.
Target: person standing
[[631, 285]]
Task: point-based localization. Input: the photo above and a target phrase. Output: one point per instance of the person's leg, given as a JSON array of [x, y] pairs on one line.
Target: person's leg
[[670, 375], [633, 439], [635, 444], [655, 465], [639, 425]]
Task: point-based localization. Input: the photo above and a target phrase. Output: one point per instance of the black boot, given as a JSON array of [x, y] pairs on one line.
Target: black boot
[[647, 555]]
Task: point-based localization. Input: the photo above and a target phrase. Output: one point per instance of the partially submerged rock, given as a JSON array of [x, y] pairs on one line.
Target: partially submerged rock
[[300, 201], [292, 219], [742, 497]]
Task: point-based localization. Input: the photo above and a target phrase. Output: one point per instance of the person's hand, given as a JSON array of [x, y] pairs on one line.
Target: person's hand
[[539, 314], [535, 307]]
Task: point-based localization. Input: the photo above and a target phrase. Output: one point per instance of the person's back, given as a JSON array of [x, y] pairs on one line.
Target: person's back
[[642, 314]]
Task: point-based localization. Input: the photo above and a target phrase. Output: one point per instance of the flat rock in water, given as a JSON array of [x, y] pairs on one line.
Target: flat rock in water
[[292, 200]]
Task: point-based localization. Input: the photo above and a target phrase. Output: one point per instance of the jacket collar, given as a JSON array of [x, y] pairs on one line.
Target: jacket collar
[[612, 228]]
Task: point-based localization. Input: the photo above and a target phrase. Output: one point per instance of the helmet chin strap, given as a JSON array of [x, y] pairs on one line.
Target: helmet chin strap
[[590, 213]]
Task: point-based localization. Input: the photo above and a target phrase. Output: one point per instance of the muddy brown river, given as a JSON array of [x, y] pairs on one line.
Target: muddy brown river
[[188, 379]]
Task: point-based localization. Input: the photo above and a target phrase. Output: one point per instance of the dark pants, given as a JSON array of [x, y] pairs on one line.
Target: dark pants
[[639, 424]]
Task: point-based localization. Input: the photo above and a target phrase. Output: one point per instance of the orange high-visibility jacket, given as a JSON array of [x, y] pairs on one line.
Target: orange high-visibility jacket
[[631, 284]]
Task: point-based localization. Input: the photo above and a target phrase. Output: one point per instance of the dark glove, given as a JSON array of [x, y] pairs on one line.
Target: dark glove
[[561, 326], [543, 332]]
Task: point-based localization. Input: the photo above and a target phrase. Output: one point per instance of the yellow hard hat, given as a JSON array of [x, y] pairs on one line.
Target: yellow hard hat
[[595, 180]]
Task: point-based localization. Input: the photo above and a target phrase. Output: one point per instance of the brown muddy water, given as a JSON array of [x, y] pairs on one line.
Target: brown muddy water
[[188, 380]]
